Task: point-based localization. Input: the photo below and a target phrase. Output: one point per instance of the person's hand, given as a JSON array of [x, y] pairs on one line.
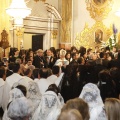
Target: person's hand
[[41, 63]]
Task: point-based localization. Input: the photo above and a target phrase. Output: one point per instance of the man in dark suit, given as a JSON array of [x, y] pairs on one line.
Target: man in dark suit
[[49, 59], [38, 60], [75, 57]]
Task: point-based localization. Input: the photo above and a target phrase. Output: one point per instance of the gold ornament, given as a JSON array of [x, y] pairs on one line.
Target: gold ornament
[[87, 37], [99, 9]]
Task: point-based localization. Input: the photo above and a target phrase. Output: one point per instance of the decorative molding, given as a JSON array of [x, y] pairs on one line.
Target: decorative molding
[[99, 9], [87, 36], [54, 34]]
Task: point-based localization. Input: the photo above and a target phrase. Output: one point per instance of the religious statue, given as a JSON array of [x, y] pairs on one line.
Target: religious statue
[[4, 41]]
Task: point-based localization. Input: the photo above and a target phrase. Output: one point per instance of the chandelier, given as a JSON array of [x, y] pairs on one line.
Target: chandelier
[[18, 10]]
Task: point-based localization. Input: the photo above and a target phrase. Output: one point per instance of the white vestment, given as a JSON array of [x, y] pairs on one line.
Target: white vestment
[[25, 81], [51, 79], [1, 92], [58, 80], [43, 85], [63, 62], [36, 80], [10, 81]]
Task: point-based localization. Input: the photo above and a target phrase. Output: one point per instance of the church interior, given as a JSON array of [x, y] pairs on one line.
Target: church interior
[[59, 59]]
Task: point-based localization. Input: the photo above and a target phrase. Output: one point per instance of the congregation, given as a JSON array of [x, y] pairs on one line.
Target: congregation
[[59, 84]]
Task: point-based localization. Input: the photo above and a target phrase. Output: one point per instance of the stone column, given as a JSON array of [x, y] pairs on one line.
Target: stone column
[[66, 24]]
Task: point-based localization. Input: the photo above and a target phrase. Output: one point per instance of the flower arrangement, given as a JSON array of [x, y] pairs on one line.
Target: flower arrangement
[[113, 38]]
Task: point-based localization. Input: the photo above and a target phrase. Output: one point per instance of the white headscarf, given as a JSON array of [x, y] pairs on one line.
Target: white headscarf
[[91, 94], [34, 94], [14, 94], [20, 108], [49, 107]]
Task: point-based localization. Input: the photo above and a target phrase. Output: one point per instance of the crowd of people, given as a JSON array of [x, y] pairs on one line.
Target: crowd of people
[[59, 84]]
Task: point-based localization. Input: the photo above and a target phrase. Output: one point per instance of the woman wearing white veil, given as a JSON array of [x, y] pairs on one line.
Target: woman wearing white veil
[[91, 94], [14, 94], [49, 107], [33, 94]]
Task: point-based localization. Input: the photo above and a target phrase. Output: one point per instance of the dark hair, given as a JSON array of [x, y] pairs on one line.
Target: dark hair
[[43, 73], [29, 59], [1, 64], [80, 60], [101, 54], [74, 54], [104, 76], [107, 90], [82, 51], [11, 65], [36, 73], [16, 67], [26, 72], [53, 88], [2, 72], [73, 48], [115, 74], [22, 89], [119, 55], [55, 69]]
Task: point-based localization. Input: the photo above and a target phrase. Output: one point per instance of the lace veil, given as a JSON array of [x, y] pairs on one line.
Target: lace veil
[[91, 95], [49, 107]]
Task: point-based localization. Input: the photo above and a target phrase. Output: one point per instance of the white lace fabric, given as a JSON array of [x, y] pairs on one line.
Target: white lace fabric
[[14, 94], [91, 95], [33, 93], [49, 107]]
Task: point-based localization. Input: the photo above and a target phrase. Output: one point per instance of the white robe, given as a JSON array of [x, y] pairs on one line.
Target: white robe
[[51, 79], [43, 85], [36, 80], [25, 81], [1, 91], [10, 81], [63, 62]]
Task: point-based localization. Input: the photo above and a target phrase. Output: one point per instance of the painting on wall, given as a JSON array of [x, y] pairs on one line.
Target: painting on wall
[[98, 36], [93, 36]]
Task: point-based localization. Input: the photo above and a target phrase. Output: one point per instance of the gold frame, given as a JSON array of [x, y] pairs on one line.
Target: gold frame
[[99, 12], [87, 37]]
